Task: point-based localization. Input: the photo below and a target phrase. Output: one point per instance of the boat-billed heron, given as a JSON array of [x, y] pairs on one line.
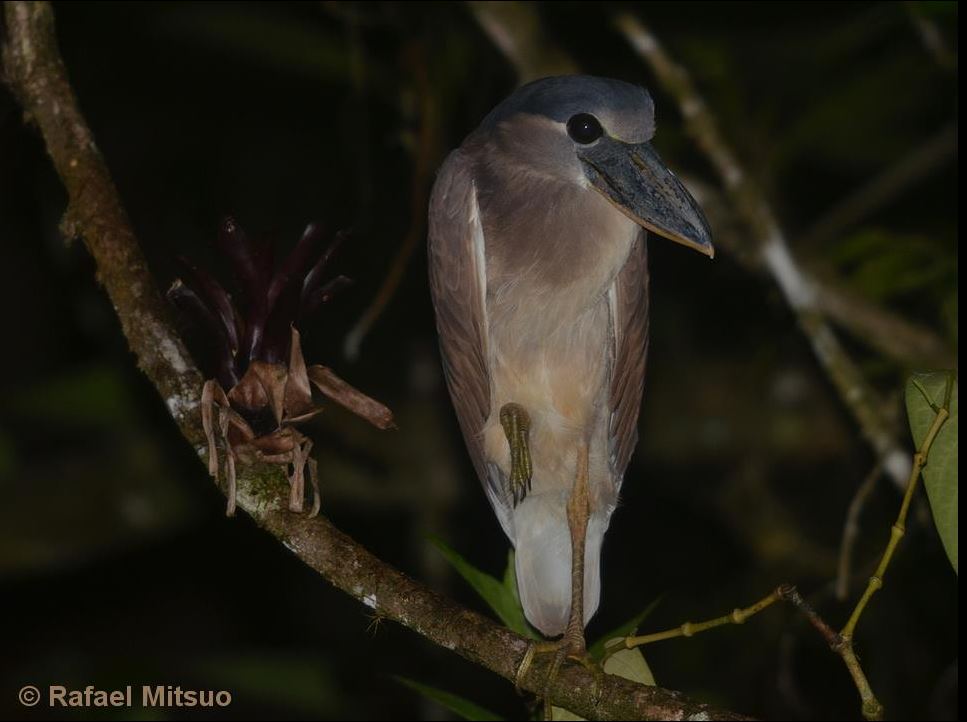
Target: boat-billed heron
[[539, 278]]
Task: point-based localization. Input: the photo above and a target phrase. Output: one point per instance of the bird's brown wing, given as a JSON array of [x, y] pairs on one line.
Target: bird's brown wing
[[630, 325], [458, 287]]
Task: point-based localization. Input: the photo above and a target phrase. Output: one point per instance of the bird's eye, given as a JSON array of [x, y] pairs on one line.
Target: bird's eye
[[584, 128]]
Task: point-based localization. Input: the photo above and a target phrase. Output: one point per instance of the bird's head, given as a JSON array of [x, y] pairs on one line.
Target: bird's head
[[596, 133]]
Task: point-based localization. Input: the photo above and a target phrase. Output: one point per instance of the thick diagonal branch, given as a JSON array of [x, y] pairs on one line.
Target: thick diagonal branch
[[35, 72]]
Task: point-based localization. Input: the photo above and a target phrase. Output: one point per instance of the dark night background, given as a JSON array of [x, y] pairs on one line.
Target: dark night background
[[117, 565]]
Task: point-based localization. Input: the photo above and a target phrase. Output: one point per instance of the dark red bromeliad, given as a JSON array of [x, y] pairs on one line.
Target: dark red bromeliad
[[249, 344]]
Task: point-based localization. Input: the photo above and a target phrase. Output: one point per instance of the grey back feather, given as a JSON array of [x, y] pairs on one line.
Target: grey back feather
[[458, 288], [630, 324]]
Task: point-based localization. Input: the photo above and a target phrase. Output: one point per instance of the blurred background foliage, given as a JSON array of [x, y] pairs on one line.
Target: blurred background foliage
[[116, 563]]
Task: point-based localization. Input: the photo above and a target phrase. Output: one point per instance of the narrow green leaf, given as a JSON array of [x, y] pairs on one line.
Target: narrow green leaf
[[925, 394], [520, 624], [501, 597], [464, 708], [596, 650]]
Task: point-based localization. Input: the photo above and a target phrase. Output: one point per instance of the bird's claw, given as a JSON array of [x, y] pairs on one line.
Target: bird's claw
[[563, 651], [516, 424]]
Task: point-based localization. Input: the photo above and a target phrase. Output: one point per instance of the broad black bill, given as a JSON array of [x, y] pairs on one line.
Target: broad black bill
[[634, 178]]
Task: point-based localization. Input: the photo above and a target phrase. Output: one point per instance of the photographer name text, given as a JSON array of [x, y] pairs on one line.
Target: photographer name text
[[154, 696]]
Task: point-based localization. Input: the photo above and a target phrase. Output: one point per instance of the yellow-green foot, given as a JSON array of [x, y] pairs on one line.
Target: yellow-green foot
[[563, 650], [516, 423]]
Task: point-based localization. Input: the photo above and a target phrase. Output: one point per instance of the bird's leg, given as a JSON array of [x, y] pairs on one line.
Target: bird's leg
[[578, 511], [572, 645], [516, 423]]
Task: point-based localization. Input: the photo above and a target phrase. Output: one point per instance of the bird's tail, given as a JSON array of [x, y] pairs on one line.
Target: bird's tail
[[543, 553]]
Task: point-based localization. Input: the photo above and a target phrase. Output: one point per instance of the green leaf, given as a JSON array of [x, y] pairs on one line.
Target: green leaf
[[458, 705], [926, 394], [596, 650], [630, 664], [519, 624], [501, 597]]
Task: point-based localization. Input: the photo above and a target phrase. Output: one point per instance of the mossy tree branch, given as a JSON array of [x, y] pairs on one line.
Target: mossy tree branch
[[33, 69]]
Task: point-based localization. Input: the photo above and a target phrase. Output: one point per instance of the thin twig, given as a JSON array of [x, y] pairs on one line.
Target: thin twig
[[840, 644], [872, 709], [771, 245], [792, 595], [33, 68], [689, 629], [899, 526], [851, 529]]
